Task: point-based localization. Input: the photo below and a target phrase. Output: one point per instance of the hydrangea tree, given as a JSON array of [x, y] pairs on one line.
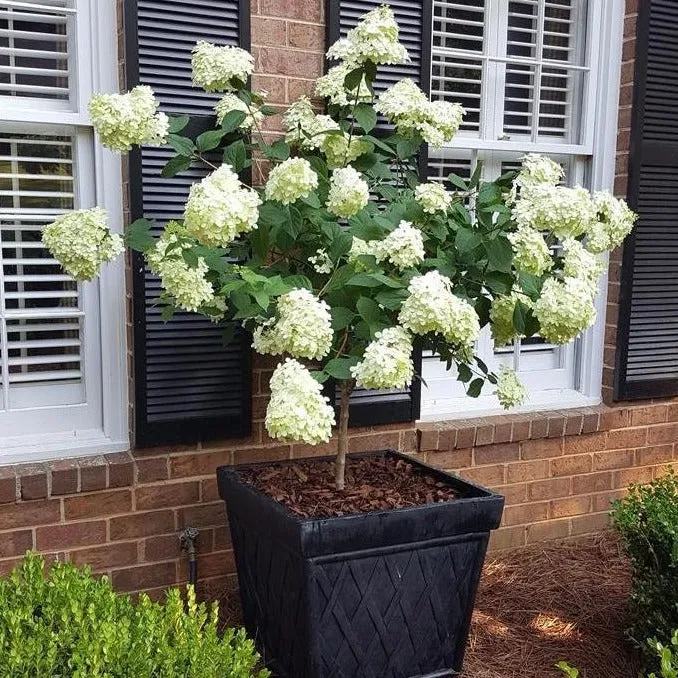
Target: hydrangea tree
[[345, 260]]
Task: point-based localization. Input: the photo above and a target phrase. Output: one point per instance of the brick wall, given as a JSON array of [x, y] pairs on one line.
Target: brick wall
[[122, 513]]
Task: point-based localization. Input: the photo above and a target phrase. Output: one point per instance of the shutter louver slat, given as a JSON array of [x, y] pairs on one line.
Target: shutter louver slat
[[414, 20], [647, 358], [191, 384]]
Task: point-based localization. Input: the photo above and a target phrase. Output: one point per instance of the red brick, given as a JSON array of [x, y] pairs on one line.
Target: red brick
[[106, 557], [520, 430], [452, 460], [466, 436], [585, 443], [120, 470], [485, 475], [556, 427], [30, 514], [484, 434], [64, 477], [33, 481], [162, 496], [145, 577], [296, 88], [603, 461], [539, 427], [507, 538], [527, 513], [6, 566], [603, 501], [571, 465], [528, 470], [198, 463], [629, 476], [513, 494], [209, 491], [165, 547], [541, 449], [662, 433], [210, 565], [99, 504], [306, 10], [93, 472], [388, 440], [275, 88], [267, 31], [222, 538], [547, 489], [551, 529], [654, 455], [651, 414], [502, 432], [625, 438], [15, 543], [497, 454], [306, 36], [142, 525], [592, 482], [205, 515], [252, 455], [288, 62], [596, 522], [152, 470], [570, 506], [7, 489], [574, 423], [428, 438], [70, 535], [613, 418]]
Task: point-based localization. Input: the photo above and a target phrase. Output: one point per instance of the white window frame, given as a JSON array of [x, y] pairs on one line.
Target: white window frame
[[97, 71], [599, 143]]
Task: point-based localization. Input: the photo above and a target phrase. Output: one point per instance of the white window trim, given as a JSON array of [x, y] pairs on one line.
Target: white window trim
[[96, 29], [601, 138]]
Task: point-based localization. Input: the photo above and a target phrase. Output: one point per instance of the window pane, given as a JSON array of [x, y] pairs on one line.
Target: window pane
[[40, 315], [34, 49]]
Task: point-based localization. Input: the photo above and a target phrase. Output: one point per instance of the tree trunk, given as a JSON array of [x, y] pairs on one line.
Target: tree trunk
[[340, 464]]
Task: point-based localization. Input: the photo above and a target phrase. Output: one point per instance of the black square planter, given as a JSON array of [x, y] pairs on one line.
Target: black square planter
[[387, 594]]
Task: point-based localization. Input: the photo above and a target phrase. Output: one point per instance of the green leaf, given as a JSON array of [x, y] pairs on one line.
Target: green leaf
[[369, 311], [365, 162], [379, 144], [312, 200], [340, 368], [353, 79], [232, 121], [177, 123], [182, 145], [457, 181], [475, 178], [209, 140], [391, 299], [475, 387], [175, 165], [138, 235], [278, 150], [405, 149], [236, 155], [268, 110], [363, 280], [531, 284], [341, 317], [366, 116], [387, 191], [467, 239], [320, 377], [519, 313], [500, 254], [464, 373]]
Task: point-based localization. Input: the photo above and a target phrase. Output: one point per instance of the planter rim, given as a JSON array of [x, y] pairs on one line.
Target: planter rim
[[477, 510]]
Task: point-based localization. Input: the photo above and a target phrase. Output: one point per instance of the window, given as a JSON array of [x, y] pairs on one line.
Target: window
[[534, 76], [57, 337]]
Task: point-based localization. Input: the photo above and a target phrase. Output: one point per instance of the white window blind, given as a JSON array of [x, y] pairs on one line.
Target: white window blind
[[526, 72], [50, 326]]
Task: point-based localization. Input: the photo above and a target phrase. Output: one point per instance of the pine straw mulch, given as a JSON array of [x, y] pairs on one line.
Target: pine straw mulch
[[551, 602], [537, 606]]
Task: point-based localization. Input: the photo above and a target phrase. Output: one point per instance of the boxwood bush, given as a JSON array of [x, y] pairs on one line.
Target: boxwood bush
[[63, 622], [647, 520]]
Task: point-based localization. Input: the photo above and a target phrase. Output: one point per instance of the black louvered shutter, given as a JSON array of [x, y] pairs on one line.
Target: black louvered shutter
[[414, 19], [190, 382], [647, 340]]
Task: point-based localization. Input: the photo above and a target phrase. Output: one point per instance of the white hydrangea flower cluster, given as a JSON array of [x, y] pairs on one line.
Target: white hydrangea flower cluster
[[432, 197], [374, 39], [565, 309], [297, 409], [187, 285], [615, 220], [349, 192], [387, 361], [303, 328], [219, 208], [536, 169], [359, 248], [340, 149], [321, 262], [220, 69], [230, 102], [291, 180], [582, 264], [510, 391], [432, 307], [501, 318], [331, 86], [565, 212], [81, 242], [406, 106], [531, 254], [126, 120], [304, 128], [403, 247]]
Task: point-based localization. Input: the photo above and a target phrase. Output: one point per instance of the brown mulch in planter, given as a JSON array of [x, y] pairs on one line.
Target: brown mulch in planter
[[547, 603], [307, 488], [540, 605]]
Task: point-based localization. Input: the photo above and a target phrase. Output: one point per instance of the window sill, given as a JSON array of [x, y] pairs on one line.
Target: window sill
[[39, 448]]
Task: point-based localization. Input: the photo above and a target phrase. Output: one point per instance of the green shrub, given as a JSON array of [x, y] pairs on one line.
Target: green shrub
[[568, 670], [647, 520], [667, 656], [68, 624]]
